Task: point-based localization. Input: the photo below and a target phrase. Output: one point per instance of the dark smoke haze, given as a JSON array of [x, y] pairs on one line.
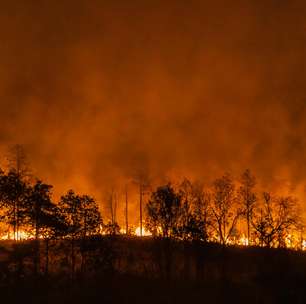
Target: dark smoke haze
[[99, 90]]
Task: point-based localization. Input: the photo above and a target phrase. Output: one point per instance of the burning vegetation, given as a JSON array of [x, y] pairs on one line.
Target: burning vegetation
[[228, 212]]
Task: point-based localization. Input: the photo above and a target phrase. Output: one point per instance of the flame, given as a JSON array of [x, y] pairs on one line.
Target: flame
[[144, 232], [243, 241], [20, 236], [122, 230], [291, 240]]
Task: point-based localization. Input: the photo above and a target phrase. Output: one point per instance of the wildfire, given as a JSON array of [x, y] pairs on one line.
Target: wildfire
[[144, 232], [20, 236], [290, 240], [243, 241], [136, 231]]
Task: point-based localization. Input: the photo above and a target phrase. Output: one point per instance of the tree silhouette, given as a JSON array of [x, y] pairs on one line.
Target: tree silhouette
[[112, 227], [18, 165], [202, 213], [2, 194], [274, 219], [13, 190], [224, 208], [142, 180], [194, 212], [82, 217], [41, 215], [163, 211], [18, 161], [248, 198]]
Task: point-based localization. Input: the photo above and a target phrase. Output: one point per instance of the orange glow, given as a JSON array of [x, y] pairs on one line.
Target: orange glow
[[243, 241], [291, 240], [144, 232], [20, 236]]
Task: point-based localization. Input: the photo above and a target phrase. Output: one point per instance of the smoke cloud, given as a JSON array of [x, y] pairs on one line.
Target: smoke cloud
[[98, 91]]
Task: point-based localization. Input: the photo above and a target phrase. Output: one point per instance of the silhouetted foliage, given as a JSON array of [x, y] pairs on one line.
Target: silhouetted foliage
[[13, 192], [163, 211], [111, 228], [81, 214], [39, 211], [68, 241], [41, 216], [82, 218]]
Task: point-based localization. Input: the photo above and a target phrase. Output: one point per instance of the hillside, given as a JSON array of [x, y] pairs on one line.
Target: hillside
[[135, 270]]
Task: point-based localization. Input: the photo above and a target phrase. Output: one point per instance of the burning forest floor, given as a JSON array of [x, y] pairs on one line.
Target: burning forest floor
[[138, 270]]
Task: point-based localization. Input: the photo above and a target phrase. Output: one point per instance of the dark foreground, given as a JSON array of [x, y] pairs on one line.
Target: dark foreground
[[154, 271], [126, 289]]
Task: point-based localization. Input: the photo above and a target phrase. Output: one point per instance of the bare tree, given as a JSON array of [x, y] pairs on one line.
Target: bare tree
[[224, 208], [18, 161], [202, 211], [194, 215], [143, 182], [126, 211], [274, 220], [112, 227], [248, 198]]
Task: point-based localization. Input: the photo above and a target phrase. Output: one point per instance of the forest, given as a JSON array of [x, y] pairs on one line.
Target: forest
[[228, 212], [226, 237]]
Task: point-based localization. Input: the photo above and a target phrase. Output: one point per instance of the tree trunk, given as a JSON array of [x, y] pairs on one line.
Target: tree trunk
[[36, 241], [83, 256], [126, 212], [47, 258], [140, 207], [72, 258], [36, 257], [248, 224], [15, 220]]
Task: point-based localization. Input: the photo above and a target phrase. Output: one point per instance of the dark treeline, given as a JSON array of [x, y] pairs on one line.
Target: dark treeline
[[228, 212], [193, 230]]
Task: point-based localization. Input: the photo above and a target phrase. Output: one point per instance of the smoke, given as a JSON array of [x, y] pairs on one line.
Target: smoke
[[101, 91]]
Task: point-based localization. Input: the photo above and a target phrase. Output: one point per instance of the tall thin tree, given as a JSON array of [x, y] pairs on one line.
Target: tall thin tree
[[126, 211], [18, 163], [248, 199]]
